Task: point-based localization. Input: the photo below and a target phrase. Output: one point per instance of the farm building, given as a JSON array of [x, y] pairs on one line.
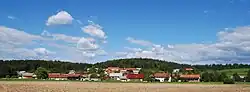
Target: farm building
[[135, 77], [190, 77], [59, 76], [25, 75], [161, 76]]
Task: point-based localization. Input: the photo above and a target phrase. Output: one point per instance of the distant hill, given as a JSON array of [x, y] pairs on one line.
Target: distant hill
[[141, 63]]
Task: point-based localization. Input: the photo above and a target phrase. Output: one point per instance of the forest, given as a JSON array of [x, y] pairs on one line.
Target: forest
[[9, 67]]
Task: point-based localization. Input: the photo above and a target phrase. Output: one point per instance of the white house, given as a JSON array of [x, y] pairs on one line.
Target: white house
[[115, 76]]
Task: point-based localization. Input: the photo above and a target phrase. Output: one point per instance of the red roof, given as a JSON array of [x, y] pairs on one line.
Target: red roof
[[135, 76], [188, 69], [58, 75], [190, 76], [161, 75], [127, 68]]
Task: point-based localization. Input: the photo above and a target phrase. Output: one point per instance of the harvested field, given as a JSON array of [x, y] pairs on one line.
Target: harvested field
[[36, 86]]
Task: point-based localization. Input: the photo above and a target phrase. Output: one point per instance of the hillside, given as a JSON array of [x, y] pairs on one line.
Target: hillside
[[142, 63]]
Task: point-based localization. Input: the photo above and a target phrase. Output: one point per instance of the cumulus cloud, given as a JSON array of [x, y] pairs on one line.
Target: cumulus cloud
[[94, 30], [16, 44], [43, 51], [86, 44], [60, 18], [233, 46]]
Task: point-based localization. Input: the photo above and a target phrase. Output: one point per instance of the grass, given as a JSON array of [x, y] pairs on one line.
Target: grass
[[241, 71], [230, 72]]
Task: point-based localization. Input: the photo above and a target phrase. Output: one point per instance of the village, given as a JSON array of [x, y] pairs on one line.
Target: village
[[118, 74]]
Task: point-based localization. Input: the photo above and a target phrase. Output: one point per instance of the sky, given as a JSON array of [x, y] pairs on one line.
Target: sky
[[90, 31]]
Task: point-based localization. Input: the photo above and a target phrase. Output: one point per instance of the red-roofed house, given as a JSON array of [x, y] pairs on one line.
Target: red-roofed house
[[161, 76], [59, 76], [189, 69], [135, 77], [190, 77], [112, 70]]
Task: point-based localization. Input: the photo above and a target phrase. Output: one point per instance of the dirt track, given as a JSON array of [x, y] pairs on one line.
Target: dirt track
[[116, 87]]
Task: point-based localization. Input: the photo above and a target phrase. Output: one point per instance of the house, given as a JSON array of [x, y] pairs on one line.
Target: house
[[25, 75], [161, 76], [135, 77], [123, 74], [112, 70], [130, 70], [115, 76], [188, 69], [59, 76], [190, 77]]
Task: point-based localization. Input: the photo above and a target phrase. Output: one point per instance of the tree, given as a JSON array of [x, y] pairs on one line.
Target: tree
[[228, 81], [41, 73], [92, 70], [205, 77], [102, 76], [147, 73], [236, 77], [222, 77], [248, 76], [212, 77], [94, 75]]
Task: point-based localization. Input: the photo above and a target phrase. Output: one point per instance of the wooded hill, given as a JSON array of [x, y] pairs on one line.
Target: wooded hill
[[10, 67]]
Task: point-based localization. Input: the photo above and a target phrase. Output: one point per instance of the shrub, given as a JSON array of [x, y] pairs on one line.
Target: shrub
[[228, 81]]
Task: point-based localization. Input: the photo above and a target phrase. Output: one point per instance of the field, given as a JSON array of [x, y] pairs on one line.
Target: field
[[67, 86], [230, 72], [242, 71]]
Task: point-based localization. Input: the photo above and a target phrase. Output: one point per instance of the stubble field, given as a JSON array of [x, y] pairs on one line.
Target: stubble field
[[36, 86]]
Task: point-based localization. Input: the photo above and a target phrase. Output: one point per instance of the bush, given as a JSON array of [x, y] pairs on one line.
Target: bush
[[228, 81]]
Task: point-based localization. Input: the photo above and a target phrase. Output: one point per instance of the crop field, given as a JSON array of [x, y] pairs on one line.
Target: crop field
[[39, 86]]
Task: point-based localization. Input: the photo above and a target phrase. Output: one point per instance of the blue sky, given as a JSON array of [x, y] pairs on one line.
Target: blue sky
[[193, 31]]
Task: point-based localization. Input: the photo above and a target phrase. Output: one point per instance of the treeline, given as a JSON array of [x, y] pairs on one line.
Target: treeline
[[221, 66], [10, 67], [223, 77]]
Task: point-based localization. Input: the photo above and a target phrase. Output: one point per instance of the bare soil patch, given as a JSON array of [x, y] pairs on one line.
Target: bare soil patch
[[117, 87]]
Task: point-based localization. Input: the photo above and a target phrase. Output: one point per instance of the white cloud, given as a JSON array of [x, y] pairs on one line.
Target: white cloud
[[43, 51], [11, 17], [233, 46], [140, 42], [17, 37], [66, 38], [60, 18], [85, 44], [94, 30], [16, 44]]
